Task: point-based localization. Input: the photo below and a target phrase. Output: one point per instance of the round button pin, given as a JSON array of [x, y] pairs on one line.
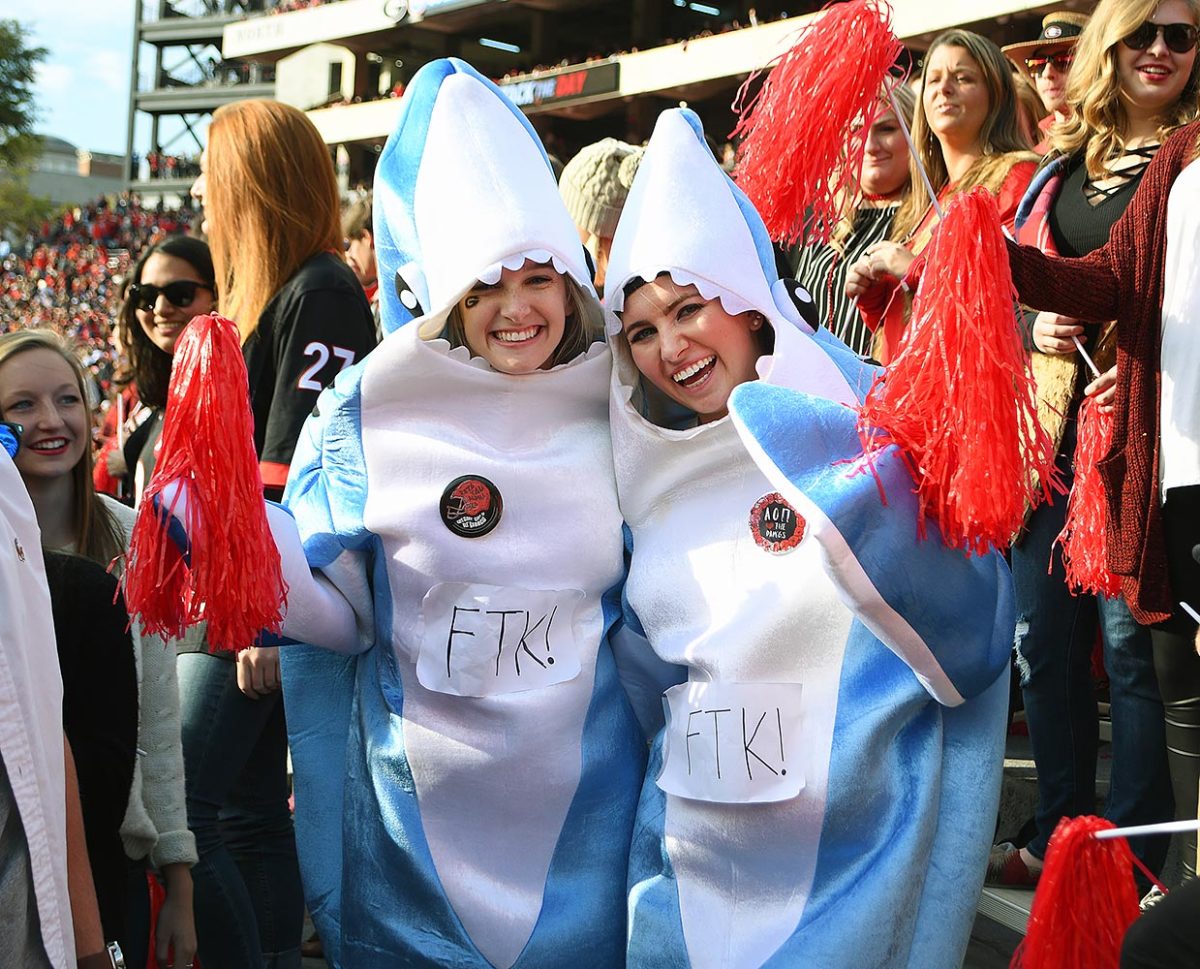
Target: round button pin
[[776, 526], [471, 506]]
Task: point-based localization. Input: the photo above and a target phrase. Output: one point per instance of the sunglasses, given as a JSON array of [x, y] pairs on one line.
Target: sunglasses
[[179, 293], [1061, 62], [1179, 38]]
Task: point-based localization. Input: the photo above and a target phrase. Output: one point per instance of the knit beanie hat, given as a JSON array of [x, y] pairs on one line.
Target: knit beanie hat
[[595, 182]]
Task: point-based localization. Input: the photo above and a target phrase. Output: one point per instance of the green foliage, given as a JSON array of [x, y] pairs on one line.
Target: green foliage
[[19, 210], [18, 112], [19, 146]]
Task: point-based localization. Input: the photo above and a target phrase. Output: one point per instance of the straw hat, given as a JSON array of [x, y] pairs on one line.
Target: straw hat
[[1060, 30]]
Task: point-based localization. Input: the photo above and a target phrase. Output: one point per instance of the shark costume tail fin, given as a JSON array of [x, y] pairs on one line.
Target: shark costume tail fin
[[463, 187]]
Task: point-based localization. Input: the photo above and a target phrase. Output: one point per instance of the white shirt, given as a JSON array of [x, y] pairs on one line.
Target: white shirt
[[31, 731], [1179, 413]]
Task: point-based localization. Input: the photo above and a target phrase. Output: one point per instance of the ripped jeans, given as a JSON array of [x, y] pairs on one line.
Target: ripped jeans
[[1054, 639]]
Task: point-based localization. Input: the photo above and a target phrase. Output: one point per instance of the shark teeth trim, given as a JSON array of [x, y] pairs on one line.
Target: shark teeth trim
[[731, 302]]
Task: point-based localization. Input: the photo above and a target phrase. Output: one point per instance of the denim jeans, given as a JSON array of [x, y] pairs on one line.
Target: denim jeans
[[1054, 639], [248, 901]]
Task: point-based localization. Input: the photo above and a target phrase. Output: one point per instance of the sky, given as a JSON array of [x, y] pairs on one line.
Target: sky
[[83, 84]]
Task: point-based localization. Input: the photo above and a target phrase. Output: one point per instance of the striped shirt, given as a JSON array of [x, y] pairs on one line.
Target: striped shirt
[[822, 270]]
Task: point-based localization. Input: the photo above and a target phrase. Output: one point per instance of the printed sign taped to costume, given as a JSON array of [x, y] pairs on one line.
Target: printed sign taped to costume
[[487, 640], [733, 743]]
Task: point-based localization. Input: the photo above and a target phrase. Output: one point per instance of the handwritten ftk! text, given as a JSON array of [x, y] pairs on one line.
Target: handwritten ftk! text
[[482, 640], [733, 742]]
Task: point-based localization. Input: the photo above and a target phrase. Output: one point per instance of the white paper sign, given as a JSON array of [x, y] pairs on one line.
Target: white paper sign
[[734, 743], [487, 640]]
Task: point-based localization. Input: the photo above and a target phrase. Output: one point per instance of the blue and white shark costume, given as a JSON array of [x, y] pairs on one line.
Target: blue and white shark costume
[[825, 790], [467, 777]]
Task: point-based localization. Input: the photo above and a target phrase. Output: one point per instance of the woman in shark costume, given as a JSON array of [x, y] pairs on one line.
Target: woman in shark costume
[[467, 770], [827, 782]]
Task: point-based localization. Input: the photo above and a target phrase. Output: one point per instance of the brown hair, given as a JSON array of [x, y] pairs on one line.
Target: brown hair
[[1097, 124], [97, 535], [1000, 133], [150, 366], [583, 325], [271, 200]]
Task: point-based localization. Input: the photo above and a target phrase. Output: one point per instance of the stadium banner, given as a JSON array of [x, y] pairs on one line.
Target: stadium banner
[[568, 84]]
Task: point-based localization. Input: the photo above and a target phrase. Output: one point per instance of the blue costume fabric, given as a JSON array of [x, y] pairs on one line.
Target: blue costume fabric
[[453, 814], [824, 792]]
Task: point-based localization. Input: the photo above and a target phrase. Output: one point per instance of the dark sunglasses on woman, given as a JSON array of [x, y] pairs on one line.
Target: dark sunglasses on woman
[[1061, 62], [1179, 38], [179, 293]]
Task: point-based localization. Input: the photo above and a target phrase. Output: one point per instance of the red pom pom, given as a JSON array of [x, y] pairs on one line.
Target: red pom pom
[[1083, 535], [232, 578], [805, 131], [959, 397], [1085, 902]]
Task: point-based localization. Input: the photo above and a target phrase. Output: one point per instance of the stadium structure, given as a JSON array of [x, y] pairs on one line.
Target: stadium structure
[[581, 69]]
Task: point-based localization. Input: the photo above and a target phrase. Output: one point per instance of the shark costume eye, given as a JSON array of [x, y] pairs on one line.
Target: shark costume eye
[[407, 296], [803, 301]]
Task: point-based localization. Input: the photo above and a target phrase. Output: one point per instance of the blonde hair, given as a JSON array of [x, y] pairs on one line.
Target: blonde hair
[[97, 535], [1097, 124], [583, 325], [999, 135], [271, 200], [906, 101]]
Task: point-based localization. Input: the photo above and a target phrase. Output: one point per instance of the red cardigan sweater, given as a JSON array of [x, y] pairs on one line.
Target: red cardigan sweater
[[1124, 281]]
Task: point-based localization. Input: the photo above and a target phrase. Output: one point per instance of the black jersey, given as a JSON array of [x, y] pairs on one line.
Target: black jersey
[[318, 323]]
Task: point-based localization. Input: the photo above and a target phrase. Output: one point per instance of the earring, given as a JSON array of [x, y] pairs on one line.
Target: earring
[[756, 321]]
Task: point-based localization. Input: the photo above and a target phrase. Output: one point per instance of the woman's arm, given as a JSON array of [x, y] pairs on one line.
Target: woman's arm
[[85, 913], [1086, 288], [1100, 285], [161, 759]]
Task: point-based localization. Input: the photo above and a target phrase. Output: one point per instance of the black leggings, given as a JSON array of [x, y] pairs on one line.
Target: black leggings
[[1178, 669], [1175, 659], [1168, 935]]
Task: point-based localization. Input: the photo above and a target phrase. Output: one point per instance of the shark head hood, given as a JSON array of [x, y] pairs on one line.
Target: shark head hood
[[684, 216], [463, 190]]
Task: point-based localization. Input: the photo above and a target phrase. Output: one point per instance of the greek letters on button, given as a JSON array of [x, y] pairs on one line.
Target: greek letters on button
[[776, 526]]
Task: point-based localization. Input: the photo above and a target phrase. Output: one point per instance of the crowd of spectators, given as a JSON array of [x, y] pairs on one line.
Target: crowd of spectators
[[161, 165], [66, 274], [287, 6]]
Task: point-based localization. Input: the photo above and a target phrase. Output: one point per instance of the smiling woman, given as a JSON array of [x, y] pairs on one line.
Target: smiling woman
[[688, 347], [742, 530], [42, 389], [966, 134], [532, 318], [1133, 81], [866, 218]]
